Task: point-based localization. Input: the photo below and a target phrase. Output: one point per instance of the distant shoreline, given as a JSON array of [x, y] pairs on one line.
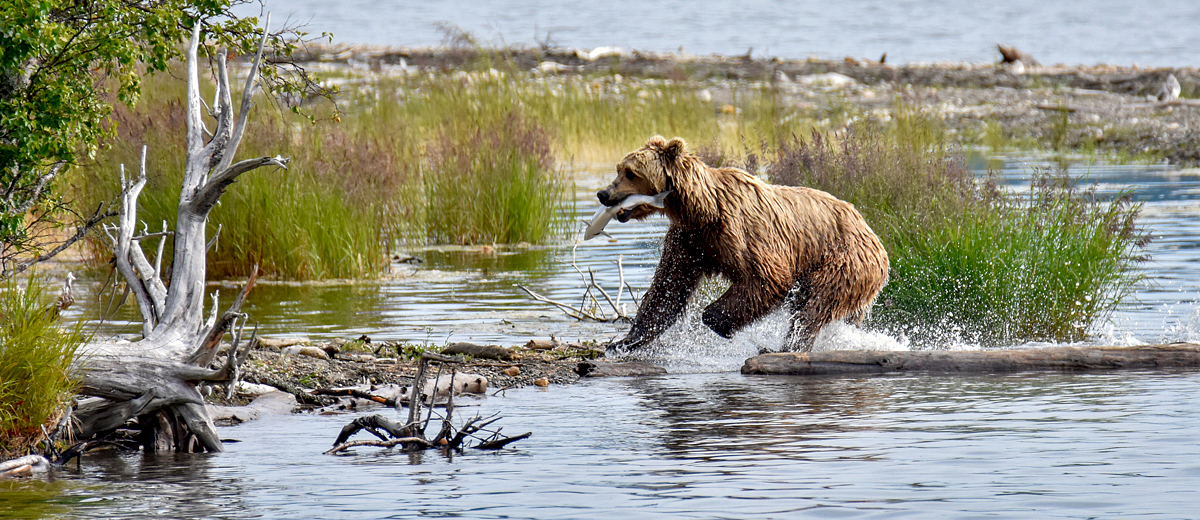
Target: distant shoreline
[[1107, 108]]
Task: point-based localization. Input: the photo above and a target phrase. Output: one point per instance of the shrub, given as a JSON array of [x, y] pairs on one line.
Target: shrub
[[35, 363]]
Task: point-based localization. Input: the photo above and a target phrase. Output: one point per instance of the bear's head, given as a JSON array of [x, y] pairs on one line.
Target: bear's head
[[645, 171]]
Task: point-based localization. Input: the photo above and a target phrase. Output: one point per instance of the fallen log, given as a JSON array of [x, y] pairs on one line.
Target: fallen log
[[1060, 359], [480, 351], [24, 466]]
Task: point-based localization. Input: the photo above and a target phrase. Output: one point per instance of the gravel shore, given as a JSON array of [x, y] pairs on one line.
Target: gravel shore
[[1070, 108]]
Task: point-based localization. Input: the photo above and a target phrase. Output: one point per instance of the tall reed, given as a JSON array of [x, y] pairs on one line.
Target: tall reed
[[492, 184], [36, 354]]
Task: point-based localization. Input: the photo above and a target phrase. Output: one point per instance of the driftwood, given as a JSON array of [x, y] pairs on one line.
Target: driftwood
[[270, 403], [154, 379], [410, 435], [480, 351], [359, 394], [1062, 359], [24, 466]]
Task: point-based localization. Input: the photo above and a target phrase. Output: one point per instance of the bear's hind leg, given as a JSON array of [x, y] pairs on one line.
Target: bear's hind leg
[[809, 315]]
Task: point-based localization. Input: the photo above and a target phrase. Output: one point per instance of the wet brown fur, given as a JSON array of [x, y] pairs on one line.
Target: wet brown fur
[[799, 247]]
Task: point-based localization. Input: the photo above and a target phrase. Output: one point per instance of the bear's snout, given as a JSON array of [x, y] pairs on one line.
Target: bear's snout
[[606, 198]]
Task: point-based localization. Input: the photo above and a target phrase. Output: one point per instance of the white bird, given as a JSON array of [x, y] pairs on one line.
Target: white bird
[[1170, 89], [66, 297]]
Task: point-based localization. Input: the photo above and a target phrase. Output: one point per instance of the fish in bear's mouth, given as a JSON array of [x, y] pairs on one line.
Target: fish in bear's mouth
[[622, 212]]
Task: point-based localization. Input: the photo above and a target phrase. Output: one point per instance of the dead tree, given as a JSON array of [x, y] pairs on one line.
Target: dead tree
[[154, 379]]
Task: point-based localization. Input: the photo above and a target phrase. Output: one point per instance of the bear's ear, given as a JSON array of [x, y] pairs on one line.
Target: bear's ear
[[656, 142], [674, 149]]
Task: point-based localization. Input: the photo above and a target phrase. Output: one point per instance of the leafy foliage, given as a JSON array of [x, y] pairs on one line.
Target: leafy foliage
[[62, 65]]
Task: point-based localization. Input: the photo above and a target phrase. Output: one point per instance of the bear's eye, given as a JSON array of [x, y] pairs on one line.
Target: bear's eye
[[629, 174]]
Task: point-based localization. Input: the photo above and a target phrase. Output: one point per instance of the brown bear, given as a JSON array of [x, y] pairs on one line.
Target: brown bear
[[777, 245]]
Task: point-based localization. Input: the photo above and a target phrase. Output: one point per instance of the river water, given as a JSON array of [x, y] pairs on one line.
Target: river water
[[1158, 33], [1118, 445], [704, 441]]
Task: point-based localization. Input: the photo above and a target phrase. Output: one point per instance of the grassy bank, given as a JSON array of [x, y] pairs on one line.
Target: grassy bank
[[969, 262], [35, 360]]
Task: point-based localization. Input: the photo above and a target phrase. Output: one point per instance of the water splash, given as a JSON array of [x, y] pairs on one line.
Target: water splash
[[843, 336], [1115, 336], [690, 347], [1184, 331]]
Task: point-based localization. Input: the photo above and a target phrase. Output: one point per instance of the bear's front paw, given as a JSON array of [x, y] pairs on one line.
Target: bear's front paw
[[624, 346]]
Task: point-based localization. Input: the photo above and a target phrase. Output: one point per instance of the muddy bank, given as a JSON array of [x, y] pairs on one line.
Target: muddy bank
[[1105, 108], [302, 369]]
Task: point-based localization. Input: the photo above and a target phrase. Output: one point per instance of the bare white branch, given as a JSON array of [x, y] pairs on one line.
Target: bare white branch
[[247, 97], [193, 175]]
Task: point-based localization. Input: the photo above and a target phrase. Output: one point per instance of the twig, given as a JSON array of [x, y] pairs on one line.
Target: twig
[[616, 311], [621, 271], [353, 392], [382, 444], [620, 279], [502, 442], [578, 314], [589, 283]]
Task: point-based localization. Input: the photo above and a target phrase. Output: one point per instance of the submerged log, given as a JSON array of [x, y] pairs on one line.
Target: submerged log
[[1061, 359]]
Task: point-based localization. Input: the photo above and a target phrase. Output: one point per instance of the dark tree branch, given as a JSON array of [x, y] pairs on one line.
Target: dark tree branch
[[82, 231]]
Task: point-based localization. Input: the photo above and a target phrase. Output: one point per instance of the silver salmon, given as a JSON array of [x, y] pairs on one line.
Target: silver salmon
[[606, 213]]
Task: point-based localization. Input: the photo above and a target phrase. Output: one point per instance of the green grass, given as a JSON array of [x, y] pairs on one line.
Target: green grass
[[969, 262], [493, 184], [1043, 267], [35, 363]]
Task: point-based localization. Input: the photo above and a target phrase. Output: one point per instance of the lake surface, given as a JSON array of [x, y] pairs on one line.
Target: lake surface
[[705, 441], [1158, 33], [704, 446]]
